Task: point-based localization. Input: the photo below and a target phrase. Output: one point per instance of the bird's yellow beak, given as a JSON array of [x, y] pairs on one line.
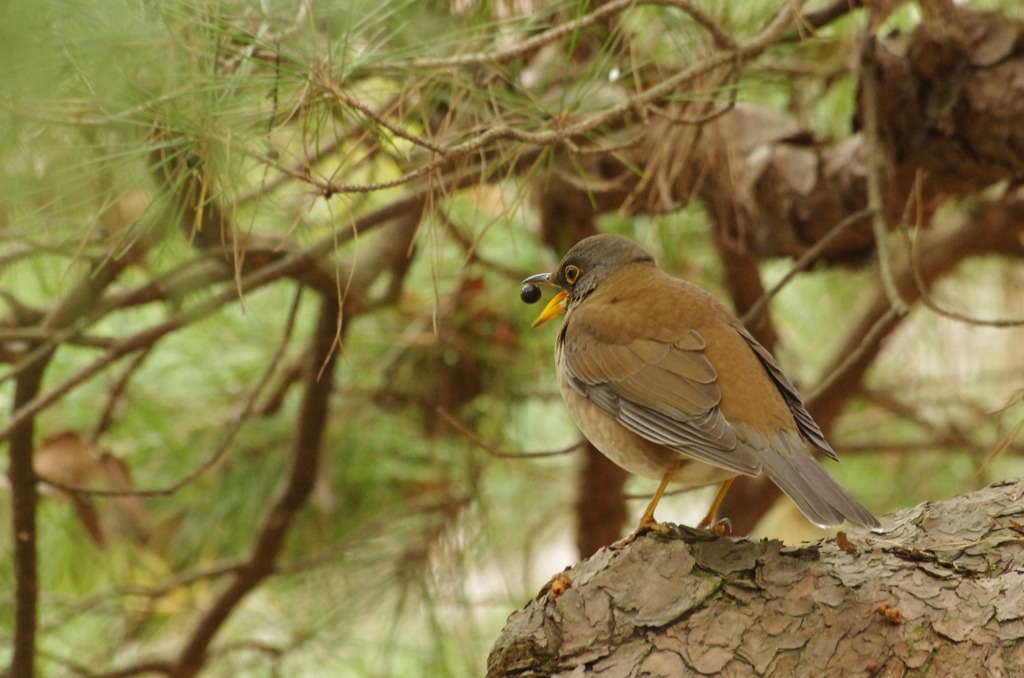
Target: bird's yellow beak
[[555, 308]]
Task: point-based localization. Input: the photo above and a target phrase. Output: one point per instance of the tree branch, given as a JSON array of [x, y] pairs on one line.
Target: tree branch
[[24, 497], [941, 587], [298, 485], [21, 472]]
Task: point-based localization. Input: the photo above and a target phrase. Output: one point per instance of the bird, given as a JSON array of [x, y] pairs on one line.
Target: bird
[[669, 385]]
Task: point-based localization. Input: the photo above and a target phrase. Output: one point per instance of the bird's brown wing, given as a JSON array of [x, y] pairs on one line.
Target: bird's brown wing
[[663, 390], [808, 427]]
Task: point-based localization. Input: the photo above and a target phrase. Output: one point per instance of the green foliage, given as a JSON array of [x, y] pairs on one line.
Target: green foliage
[[192, 144]]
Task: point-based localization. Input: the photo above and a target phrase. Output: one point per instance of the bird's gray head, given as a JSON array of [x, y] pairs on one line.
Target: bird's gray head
[[592, 260], [585, 267]]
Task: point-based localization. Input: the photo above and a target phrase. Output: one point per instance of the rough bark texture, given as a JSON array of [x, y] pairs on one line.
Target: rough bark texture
[[939, 592], [950, 103]]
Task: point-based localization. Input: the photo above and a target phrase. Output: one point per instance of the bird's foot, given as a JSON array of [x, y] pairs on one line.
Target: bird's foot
[[558, 585], [645, 526], [716, 527]]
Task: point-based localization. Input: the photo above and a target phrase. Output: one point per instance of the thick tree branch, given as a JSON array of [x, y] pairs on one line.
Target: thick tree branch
[[75, 305], [940, 592], [24, 497]]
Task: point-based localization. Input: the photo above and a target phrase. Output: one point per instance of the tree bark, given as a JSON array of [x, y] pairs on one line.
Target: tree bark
[[939, 592]]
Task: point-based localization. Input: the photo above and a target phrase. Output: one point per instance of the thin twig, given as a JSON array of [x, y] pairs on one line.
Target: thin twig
[[113, 395], [869, 99], [565, 133], [398, 131], [922, 288], [869, 342], [731, 81], [472, 253], [294, 264], [805, 260], [296, 489], [1004, 444], [236, 425], [529, 45], [495, 451]]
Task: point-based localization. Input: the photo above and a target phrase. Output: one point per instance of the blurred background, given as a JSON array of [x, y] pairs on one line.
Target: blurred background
[[274, 406]]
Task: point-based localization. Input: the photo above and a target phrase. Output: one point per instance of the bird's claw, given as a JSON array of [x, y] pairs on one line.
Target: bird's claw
[[645, 526], [717, 527]]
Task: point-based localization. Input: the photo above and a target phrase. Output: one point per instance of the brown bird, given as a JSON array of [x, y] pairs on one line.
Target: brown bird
[[668, 384]]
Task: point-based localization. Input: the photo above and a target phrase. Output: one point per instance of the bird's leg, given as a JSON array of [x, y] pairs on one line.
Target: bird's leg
[[709, 522], [647, 520]]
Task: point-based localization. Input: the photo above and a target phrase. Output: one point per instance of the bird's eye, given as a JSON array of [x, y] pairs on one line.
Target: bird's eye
[[572, 273]]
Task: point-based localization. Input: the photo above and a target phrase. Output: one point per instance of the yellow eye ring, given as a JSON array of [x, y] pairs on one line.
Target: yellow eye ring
[[571, 273]]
